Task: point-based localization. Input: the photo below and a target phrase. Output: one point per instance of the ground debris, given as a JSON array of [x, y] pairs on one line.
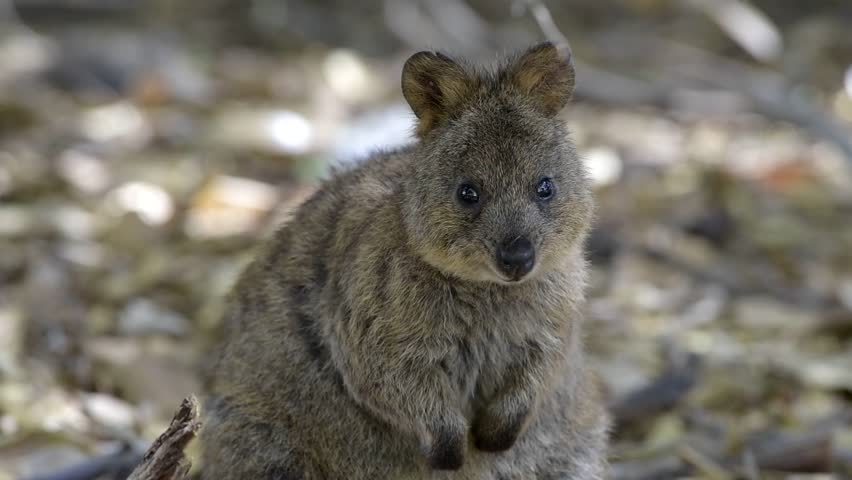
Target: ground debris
[[140, 167]]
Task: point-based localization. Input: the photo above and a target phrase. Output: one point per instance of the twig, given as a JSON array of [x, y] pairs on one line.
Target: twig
[[746, 25], [542, 16], [409, 23], [702, 463], [459, 22], [809, 452], [795, 296], [769, 92], [661, 394], [666, 466], [165, 459], [64, 9], [750, 466]]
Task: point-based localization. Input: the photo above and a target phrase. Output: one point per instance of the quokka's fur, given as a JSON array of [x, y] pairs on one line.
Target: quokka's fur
[[376, 336]]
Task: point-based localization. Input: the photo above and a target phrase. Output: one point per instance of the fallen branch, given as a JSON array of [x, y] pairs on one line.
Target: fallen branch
[[605, 242], [768, 93], [165, 459], [806, 453], [794, 296], [661, 394], [702, 463], [545, 22], [809, 452]]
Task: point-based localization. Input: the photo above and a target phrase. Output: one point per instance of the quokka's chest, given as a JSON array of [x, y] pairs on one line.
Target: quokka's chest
[[485, 339], [498, 318]]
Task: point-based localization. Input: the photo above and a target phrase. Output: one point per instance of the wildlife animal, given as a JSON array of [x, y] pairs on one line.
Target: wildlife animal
[[419, 316]]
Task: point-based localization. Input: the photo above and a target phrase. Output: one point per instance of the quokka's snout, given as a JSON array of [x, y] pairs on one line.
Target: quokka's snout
[[516, 257]]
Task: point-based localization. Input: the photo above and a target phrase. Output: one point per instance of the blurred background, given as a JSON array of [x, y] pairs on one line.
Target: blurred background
[[147, 146]]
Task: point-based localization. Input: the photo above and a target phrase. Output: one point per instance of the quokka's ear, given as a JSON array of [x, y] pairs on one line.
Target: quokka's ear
[[545, 73], [434, 86]]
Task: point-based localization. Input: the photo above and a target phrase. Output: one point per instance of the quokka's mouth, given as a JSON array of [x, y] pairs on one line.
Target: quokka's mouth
[[504, 279]]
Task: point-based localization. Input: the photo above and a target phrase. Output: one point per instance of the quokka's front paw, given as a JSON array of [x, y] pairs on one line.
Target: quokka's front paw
[[496, 430], [446, 451]]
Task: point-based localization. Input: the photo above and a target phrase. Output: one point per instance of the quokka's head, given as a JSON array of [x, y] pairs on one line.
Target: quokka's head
[[497, 192]]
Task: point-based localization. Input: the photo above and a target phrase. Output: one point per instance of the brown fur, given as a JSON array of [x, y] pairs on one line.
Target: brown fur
[[374, 338]]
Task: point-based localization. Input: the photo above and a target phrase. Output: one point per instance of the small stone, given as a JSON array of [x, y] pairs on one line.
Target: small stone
[[766, 313], [844, 292], [151, 202], [604, 165], [143, 317], [119, 122], [230, 206], [387, 127], [85, 172], [276, 131], [19, 221], [110, 411], [11, 338]]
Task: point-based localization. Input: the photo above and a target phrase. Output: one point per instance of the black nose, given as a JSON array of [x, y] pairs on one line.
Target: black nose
[[516, 257]]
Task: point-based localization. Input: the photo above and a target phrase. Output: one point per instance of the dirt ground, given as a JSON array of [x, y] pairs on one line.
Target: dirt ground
[[147, 147]]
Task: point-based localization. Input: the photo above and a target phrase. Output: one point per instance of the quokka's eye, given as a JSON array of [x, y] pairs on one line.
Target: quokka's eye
[[468, 195], [544, 190]]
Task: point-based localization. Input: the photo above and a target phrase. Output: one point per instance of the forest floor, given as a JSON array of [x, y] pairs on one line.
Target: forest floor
[[139, 170]]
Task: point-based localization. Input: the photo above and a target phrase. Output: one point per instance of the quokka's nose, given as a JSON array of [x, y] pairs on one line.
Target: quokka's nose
[[516, 257]]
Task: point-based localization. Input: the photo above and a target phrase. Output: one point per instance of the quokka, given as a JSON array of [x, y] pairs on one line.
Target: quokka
[[419, 316]]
